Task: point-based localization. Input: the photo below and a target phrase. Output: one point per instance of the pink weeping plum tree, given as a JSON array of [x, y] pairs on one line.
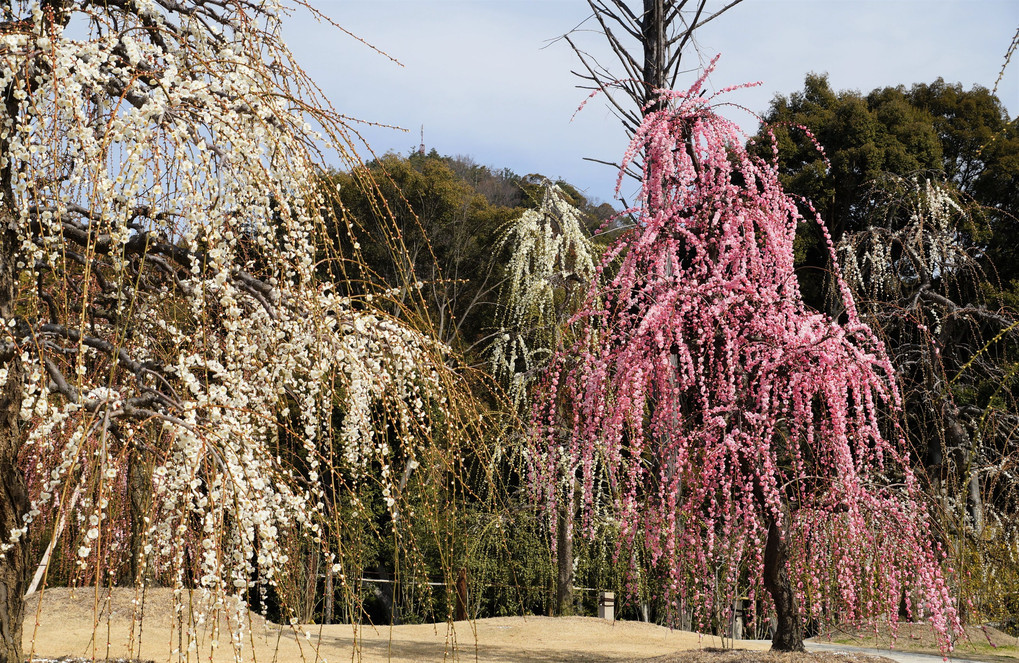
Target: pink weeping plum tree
[[749, 444]]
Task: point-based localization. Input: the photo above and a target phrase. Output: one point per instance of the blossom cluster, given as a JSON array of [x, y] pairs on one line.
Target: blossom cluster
[[550, 253], [916, 245]]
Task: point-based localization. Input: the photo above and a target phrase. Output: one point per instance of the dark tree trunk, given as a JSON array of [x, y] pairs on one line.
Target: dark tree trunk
[[788, 629], [653, 39], [13, 497], [461, 595], [139, 489], [564, 562], [961, 444], [13, 506]]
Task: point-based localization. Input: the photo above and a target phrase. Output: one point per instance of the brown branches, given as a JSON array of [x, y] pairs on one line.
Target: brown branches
[[956, 350], [649, 46], [173, 260]]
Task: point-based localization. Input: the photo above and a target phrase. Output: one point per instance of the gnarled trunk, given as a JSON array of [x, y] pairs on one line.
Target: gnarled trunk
[[788, 628], [13, 505], [13, 496], [139, 490]]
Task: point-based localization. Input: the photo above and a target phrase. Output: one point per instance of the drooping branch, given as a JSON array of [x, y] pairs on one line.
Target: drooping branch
[[918, 272], [749, 443], [163, 317]]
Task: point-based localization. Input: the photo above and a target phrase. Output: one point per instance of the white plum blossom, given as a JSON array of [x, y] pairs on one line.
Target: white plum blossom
[[550, 252], [166, 196], [916, 242]]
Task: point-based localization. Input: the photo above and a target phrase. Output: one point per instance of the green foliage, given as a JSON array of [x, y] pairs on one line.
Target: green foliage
[[963, 137], [510, 566], [438, 233], [863, 138], [439, 228], [441, 217]]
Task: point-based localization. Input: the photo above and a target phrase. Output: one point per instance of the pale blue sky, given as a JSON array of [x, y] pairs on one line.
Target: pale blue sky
[[486, 78]]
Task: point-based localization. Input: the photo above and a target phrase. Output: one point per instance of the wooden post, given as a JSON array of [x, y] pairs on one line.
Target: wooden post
[[461, 595], [327, 616]]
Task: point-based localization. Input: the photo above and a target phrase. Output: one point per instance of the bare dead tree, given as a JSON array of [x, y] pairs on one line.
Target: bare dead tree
[[648, 44]]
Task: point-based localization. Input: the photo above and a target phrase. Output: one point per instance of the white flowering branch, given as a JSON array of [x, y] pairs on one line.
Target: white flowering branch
[[161, 306], [550, 268]]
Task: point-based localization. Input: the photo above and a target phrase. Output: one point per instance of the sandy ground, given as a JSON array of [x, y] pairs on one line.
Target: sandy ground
[[80, 623], [64, 624]]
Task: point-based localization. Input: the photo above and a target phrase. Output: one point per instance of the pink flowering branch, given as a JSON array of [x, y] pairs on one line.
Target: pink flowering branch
[[750, 444]]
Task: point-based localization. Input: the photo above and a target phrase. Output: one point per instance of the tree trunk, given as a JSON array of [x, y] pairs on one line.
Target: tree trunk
[[13, 497], [653, 39], [975, 505], [564, 562], [327, 610], [309, 592], [139, 489], [461, 595], [13, 505], [963, 449], [788, 629]]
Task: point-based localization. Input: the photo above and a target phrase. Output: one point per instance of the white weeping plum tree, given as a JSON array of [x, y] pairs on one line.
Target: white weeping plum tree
[[916, 269], [551, 265], [164, 330], [550, 270]]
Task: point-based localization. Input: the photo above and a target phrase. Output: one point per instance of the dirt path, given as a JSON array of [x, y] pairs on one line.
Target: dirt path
[[895, 655]]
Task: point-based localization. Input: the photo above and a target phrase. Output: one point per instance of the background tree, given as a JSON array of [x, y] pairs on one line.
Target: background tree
[[418, 221], [449, 215], [764, 457], [956, 358], [551, 266], [980, 156], [964, 136], [515, 245]]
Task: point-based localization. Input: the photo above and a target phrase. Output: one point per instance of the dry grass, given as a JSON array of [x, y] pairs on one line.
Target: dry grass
[[984, 643], [711, 655], [78, 625], [64, 623]]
